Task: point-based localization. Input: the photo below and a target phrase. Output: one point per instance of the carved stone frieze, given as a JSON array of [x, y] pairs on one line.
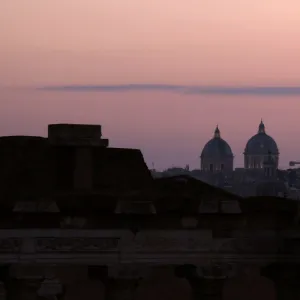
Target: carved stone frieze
[[10, 245], [181, 241], [249, 245], [31, 206], [76, 244], [164, 243]]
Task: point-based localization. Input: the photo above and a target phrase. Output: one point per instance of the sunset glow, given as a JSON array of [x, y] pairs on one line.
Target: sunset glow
[[230, 43]]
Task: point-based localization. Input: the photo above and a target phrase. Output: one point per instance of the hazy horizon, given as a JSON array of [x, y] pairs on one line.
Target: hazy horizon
[[158, 75]]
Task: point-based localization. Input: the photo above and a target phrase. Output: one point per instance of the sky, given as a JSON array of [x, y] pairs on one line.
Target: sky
[[158, 75]]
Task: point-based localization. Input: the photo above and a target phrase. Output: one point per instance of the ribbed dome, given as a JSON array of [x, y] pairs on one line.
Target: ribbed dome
[[261, 143], [216, 147]]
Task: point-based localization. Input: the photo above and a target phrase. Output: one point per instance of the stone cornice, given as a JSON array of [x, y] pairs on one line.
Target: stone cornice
[[146, 247]]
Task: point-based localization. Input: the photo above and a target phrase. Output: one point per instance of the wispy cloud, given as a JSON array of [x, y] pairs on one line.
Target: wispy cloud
[[183, 89]]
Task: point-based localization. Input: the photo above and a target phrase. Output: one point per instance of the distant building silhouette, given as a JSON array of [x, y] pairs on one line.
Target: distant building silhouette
[[217, 155], [258, 148], [260, 175]]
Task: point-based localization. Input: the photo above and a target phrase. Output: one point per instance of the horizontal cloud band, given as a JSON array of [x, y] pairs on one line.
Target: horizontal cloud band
[[183, 89]]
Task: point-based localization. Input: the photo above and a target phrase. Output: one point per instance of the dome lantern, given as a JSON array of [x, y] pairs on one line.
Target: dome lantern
[[261, 128], [217, 133]]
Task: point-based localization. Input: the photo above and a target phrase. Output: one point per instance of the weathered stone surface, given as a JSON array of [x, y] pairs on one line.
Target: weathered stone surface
[[189, 222], [121, 289], [25, 290], [127, 272], [50, 288], [83, 171], [75, 134], [249, 285], [3, 292], [209, 206], [250, 245], [91, 290], [76, 244], [27, 271], [70, 274], [290, 245], [36, 207], [163, 285], [72, 222], [169, 241], [135, 207], [230, 207], [209, 289], [10, 245], [33, 169], [286, 278], [25, 169]]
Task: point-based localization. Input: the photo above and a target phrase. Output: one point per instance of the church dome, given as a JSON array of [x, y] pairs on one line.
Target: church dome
[[216, 147], [261, 143]]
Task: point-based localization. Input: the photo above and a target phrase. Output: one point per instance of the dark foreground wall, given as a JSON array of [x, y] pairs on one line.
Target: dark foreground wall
[[31, 167]]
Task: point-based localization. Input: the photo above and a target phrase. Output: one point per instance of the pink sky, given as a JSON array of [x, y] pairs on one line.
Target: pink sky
[[209, 42]]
